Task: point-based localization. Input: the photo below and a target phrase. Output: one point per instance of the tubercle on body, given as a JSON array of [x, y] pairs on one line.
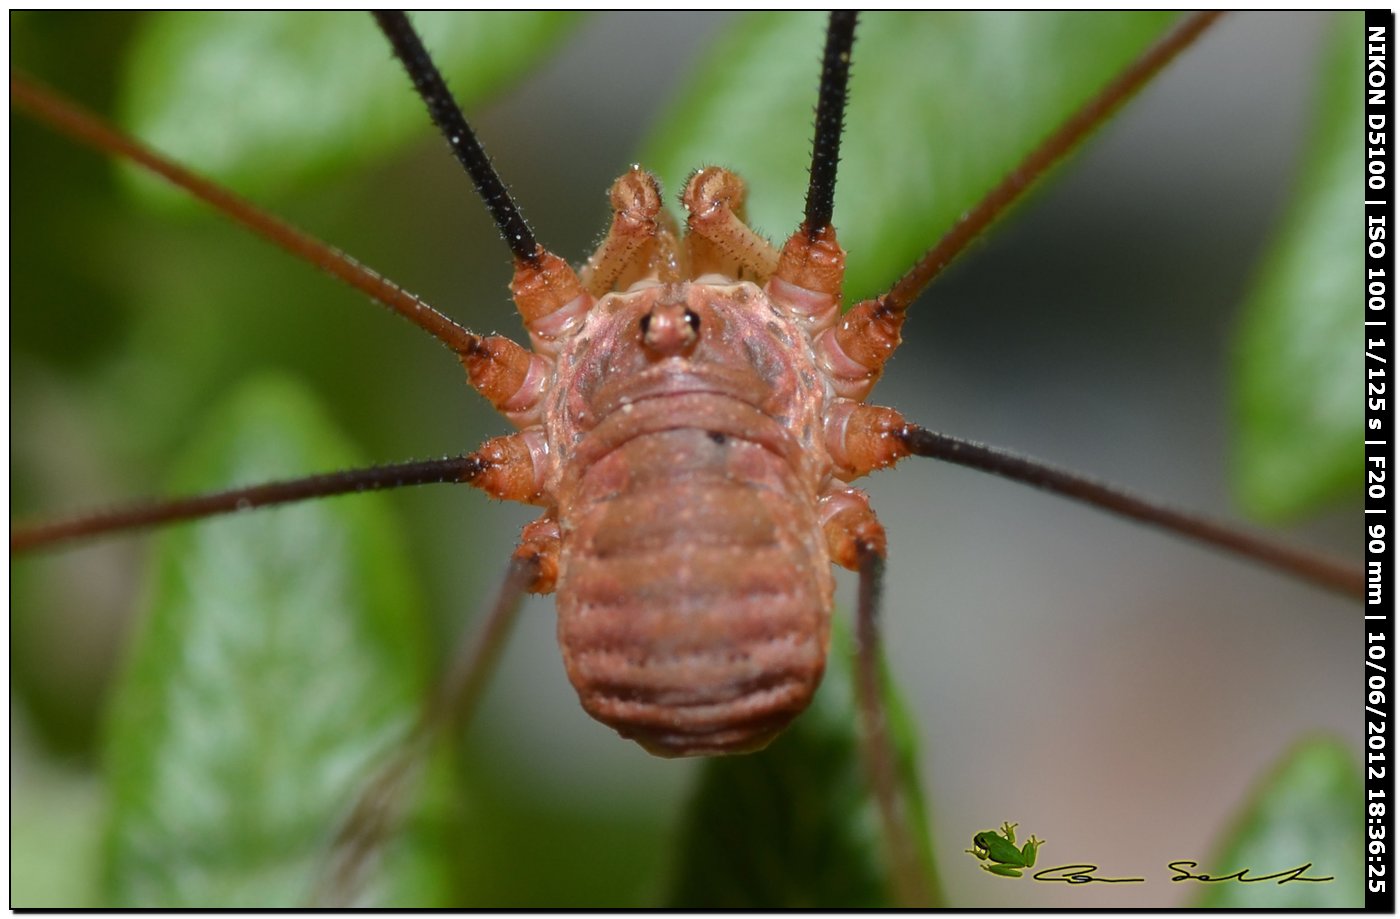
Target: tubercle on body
[[691, 436]]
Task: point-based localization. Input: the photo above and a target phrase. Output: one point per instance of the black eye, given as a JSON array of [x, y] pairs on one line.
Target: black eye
[[692, 319], [646, 322]]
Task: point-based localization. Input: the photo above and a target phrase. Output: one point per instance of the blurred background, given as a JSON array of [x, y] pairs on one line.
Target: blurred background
[[1113, 690]]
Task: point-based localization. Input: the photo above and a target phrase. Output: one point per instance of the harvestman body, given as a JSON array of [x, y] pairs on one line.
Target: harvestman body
[[693, 453], [689, 418]]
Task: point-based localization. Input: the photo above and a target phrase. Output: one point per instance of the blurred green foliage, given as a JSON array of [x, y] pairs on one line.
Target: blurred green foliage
[[1298, 363], [295, 94], [280, 658], [1307, 811]]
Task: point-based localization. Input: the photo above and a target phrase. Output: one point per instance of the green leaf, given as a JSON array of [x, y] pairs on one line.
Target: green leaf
[[268, 100], [795, 825], [1309, 810], [922, 144], [1299, 358], [282, 656], [54, 815]]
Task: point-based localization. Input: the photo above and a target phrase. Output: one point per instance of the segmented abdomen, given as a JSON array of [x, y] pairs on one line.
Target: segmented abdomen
[[694, 593]]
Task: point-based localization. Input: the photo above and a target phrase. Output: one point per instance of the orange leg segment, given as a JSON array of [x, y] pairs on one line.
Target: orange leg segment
[[510, 377], [539, 546], [551, 299], [807, 281], [852, 530], [854, 351], [862, 438], [512, 467]]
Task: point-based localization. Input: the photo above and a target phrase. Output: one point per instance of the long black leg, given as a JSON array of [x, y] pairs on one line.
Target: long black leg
[[378, 812], [913, 887], [154, 513], [831, 110], [447, 115]]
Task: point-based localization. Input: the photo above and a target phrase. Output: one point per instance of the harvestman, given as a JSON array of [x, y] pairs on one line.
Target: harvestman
[[702, 376]]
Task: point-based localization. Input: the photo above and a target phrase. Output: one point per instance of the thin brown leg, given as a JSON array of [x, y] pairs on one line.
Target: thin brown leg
[[856, 541], [862, 438], [1050, 151], [1320, 569], [145, 514], [506, 467], [86, 128], [379, 811], [502, 371], [913, 887]]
